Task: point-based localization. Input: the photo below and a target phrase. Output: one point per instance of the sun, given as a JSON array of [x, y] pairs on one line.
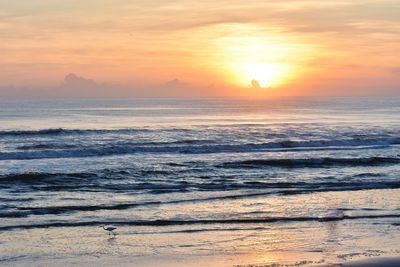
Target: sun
[[248, 59], [246, 53], [265, 73]]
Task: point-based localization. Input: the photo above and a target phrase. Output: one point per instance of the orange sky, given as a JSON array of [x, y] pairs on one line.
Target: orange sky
[[199, 48]]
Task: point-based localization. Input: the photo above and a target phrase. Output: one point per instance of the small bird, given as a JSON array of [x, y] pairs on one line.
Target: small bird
[[110, 229]]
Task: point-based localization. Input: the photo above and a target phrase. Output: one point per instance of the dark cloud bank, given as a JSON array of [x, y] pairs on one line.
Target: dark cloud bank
[[77, 86]]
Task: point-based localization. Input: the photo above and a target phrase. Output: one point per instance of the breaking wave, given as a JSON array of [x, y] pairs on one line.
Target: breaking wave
[[312, 162], [184, 146]]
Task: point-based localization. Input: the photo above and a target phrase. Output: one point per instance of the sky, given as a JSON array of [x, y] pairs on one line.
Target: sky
[[159, 48]]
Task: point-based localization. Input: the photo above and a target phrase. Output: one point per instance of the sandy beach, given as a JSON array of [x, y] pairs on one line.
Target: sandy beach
[[346, 241], [88, 247]]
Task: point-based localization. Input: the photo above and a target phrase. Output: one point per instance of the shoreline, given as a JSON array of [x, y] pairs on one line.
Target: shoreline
[[213, 261]]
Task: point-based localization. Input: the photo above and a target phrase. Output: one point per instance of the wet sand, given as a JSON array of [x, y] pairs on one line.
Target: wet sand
[[261, 245], [349, 240]]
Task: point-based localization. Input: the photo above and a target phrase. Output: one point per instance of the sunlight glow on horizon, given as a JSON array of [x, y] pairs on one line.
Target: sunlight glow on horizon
[[252, 53]]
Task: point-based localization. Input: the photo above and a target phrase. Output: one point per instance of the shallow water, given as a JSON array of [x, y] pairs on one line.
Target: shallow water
[[219, 176]]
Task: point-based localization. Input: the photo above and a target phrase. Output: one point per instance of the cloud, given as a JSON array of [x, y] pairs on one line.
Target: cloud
[[179, 88], [174, 88], [72, 86], [176, 83], [78, 86], [75, 86], [255, 84], [74, 81]]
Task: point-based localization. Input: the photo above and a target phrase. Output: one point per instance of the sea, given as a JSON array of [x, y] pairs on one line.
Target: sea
[[204, 177]]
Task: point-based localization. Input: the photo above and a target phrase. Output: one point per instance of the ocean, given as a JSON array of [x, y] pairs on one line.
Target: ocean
[[291, 179]]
